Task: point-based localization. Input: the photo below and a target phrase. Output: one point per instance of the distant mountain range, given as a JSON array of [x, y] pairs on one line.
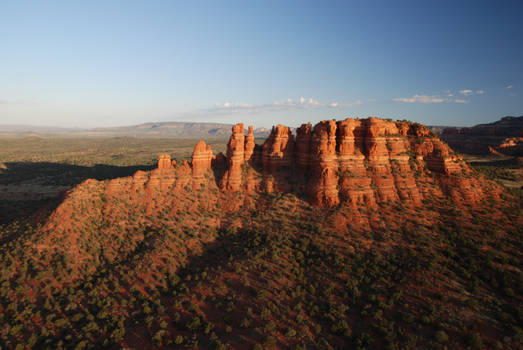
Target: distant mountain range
[[164, 129], [504, 136]]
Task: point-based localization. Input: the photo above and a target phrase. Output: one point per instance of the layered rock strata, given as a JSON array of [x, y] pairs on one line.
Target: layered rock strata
[[164, 161], [232, 179], [249, 144], [202, 158], [353, 161]]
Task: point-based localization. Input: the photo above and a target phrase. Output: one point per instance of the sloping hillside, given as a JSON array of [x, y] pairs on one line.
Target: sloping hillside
[[364, 234]]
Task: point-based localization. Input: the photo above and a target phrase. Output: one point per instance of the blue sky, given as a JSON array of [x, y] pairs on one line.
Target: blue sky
[[106, 63]]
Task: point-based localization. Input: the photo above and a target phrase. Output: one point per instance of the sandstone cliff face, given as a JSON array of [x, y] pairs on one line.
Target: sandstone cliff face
[[232, 178], [276, 159], [303, 143], [359, 162], [353, 162], [278, 149], [201, 163], [322, 187], [164, 161], [249, 144]]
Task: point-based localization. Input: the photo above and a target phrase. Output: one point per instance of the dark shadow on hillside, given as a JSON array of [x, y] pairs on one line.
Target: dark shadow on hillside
[[35, 188], [238, 244], [512, 163], [61, 174], [218, 168]]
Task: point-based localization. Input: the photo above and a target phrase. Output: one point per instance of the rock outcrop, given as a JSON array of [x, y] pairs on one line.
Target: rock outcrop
[[278, 150], [501, 137], [201, 162], [354, 162], [303, 143], [232, 178], [164, 161], [322, 188], [359, 162], [249, 144]]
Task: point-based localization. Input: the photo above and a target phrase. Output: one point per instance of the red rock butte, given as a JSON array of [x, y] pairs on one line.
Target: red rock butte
[[359, 166], [353, 161]]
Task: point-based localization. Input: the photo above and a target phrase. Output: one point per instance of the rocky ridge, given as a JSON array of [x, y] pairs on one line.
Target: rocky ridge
[[504, 136], [354, 161], [356, 165]]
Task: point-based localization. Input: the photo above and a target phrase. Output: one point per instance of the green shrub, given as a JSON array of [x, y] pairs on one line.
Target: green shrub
[[441, 336], [475, 341]]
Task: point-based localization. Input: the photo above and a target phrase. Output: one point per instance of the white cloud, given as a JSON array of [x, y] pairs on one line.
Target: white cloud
[[281, 105], [301, 102], [447, 97], [420, 99], [233, 105], [466, 92], [509, 87], [309, 103]]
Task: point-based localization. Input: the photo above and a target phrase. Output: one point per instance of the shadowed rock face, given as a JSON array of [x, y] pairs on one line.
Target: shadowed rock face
[[504, 136], [303, 146], [249, 144]]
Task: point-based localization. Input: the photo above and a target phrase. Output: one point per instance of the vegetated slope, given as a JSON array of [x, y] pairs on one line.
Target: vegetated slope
[[504, 136], [358, 233]]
